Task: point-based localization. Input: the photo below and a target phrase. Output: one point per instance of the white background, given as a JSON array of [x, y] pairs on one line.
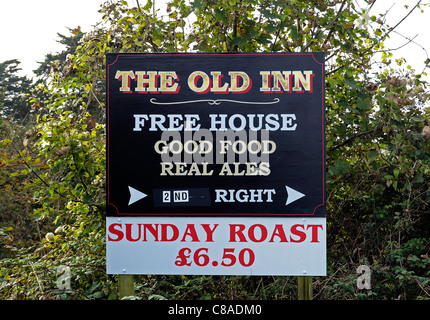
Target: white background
[[271, 258]]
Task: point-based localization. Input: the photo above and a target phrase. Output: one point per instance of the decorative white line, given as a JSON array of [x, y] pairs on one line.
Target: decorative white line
[[213, 102]]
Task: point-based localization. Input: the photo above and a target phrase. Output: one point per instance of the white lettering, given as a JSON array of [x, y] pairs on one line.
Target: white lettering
[[244, 195]]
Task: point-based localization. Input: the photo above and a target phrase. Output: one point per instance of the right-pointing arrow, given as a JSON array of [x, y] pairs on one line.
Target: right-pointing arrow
[[135, 195], [293, 195]]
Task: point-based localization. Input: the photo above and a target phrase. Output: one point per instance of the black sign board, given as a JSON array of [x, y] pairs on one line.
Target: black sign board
[[215, 134]]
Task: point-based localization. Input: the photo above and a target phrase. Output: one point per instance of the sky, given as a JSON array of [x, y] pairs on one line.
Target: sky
[[28, 28], [412, 28]]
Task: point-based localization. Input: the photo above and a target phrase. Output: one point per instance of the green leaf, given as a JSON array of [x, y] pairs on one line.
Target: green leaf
[[350, 72], [220, 15], [294, 33], [98, 295], [418, 118], [156, 297], [269, 28], [340, 167], [372, 155], [6, 142]]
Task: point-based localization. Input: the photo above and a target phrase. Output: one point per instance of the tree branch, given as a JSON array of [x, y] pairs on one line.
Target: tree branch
[[346, 141], [334, 20], [329, 26], [404, 18]]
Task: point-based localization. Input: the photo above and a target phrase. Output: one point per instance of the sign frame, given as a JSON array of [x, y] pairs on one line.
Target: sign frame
[[132, 192], [161, 221]]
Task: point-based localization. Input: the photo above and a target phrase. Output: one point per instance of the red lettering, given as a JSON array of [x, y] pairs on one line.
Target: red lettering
[[251, 233], [217, 88], [190, 231], [128, 232], [314, 228], [152, 230], [209, 232], [209, 84], [300, 234], [246, 88], [168, 80], [149, 82], [279, 231], [118, 233], [238, 232], [174, 230]]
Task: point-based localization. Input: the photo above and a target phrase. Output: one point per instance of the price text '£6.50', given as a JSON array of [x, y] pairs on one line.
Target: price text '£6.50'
[[200, 257]]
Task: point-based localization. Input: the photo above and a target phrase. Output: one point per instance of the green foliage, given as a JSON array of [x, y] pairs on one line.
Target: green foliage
[[57, 61], [378, 168], [15, 222], [13, 88]]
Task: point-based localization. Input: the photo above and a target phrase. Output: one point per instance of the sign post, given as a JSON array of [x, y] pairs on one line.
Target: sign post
[[126, 285], [304, 285], [216, 164]]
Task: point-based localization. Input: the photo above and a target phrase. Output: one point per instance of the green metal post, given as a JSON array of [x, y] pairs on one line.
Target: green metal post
[[126, 285], [305, 288]]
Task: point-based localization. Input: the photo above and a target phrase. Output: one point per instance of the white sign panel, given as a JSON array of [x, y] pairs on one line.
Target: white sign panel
[[216, 246]]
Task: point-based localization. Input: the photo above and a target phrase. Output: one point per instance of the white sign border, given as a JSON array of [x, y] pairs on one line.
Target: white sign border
[[298, 256]]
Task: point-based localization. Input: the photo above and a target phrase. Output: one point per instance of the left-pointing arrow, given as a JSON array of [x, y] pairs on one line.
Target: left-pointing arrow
[[135, 195]]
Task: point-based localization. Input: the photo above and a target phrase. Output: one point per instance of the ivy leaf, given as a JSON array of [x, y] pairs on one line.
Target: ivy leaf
[[340, 167]]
